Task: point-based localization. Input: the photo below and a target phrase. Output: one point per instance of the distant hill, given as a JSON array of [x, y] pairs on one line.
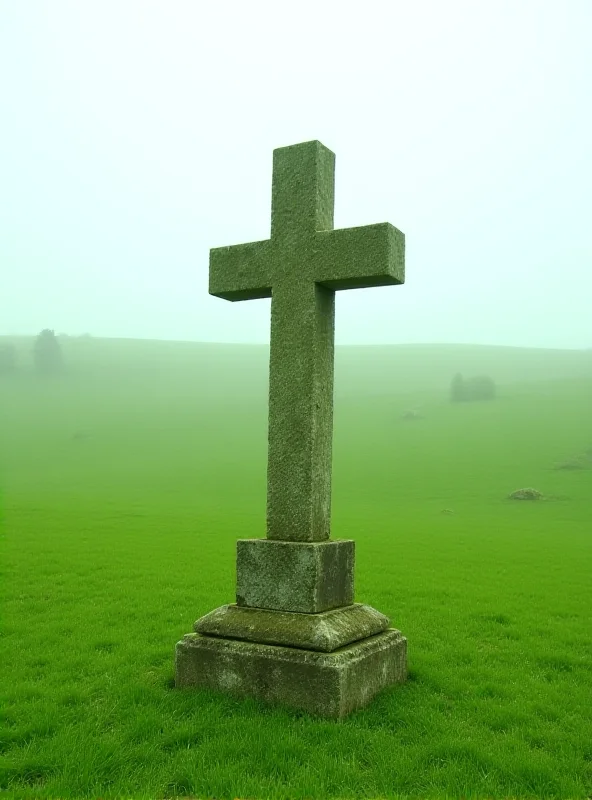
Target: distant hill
[[359, 370], [425, 367]]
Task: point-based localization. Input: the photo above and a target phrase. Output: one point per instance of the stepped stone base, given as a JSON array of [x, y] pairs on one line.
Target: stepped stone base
[[326, 684], [326, 631]]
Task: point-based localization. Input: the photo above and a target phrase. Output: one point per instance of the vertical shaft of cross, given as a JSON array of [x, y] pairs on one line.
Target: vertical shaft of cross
[[301, 350], [300, 414]]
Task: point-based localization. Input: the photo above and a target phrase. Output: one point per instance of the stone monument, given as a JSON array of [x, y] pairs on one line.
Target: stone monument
[[295, 636]]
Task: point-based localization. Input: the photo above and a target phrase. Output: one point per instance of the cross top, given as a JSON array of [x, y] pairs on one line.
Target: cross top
[[300, 267], [303, 191]]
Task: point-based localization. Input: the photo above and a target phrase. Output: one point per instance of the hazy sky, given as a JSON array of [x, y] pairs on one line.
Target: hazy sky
[[135, 136]]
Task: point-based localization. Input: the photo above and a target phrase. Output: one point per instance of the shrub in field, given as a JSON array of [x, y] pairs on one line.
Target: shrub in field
[[481, 387], [47, 353]]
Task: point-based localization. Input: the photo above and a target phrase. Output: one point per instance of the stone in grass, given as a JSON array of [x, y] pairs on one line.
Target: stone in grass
[[526, 494]]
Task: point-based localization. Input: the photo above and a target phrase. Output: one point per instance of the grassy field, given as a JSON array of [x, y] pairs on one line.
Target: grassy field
[[126, 484]]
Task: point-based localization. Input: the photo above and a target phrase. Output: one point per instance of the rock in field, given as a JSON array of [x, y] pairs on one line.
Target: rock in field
[[525, 494]]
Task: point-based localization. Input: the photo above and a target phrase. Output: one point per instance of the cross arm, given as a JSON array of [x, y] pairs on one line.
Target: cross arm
[[357, 258], [241, 272]]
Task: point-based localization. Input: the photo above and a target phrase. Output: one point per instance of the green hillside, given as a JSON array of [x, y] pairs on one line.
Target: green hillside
[[126, 484], [360, 370]]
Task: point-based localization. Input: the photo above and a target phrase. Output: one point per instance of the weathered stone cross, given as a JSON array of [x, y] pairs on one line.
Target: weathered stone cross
[[300, 267], [295, 634]]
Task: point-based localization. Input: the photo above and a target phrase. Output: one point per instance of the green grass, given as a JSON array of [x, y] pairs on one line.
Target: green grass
[[114, 544]]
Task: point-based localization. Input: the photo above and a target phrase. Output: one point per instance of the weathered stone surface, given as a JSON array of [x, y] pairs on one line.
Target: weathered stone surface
[[325, 684], [301, 267], [297, 568], [309, 577], [326, 631]]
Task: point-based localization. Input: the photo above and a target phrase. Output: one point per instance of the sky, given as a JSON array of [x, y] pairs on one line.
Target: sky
[[136, 135]]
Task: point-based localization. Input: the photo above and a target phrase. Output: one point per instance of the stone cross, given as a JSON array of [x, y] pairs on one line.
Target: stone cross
[[295, 634], [300, 267]]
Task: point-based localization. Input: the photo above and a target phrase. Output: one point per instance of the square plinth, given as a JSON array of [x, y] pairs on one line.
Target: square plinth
[[325, 684], [308, 577]]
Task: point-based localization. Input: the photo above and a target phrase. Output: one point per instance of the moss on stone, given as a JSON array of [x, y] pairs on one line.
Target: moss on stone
[[287, 582], [309, 577], [300, 267], [326, 631], [325, 684]]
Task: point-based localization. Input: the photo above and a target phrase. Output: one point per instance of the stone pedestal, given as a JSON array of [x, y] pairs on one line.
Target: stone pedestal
[[295, 636], [295, 576], [327, 684]]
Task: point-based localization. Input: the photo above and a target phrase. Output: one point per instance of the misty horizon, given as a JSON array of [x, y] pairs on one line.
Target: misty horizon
[[147, 340], [136, 139]]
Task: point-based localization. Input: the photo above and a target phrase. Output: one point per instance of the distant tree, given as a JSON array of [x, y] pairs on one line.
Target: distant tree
[[47, 353], [457, 389], [7, 359]]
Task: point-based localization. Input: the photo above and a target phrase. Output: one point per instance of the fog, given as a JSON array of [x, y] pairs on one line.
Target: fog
[[138, 135]]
